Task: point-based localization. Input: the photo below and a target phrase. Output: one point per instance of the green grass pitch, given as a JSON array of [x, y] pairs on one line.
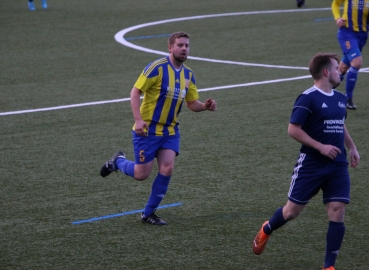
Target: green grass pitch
[[235, 164]]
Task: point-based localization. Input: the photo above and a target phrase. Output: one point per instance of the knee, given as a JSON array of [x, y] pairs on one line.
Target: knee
[[166, 170], [141, 176], [357, 62], [336, 212], [343, 69]]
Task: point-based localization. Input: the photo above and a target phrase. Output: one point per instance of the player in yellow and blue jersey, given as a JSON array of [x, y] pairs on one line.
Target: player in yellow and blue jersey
[[352, 37], [165, 84], [318, 122]]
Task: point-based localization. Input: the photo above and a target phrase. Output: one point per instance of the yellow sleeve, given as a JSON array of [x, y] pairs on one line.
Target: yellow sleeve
[[192, 93], [336, 9], [143, 83]]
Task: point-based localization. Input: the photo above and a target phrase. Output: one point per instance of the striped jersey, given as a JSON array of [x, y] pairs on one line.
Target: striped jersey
[[322, 116], [164, 89], [355, 12]]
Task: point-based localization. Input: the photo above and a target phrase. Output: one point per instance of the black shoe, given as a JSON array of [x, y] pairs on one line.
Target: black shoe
[[350, 104], [300, 3], [109, 166], [152, 219]]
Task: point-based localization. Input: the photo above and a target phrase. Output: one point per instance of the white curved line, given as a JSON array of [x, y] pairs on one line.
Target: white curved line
[[119, 36]]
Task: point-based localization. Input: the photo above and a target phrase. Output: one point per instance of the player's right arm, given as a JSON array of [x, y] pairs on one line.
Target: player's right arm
[[140, 125], [296, 132], [337, 13]]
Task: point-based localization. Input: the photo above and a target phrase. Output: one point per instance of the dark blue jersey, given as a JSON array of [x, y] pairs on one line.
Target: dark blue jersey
[[322, 117]]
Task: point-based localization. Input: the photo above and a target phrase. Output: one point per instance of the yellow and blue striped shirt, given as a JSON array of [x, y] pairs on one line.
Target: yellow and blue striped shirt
[[355, 13], [165, 89]]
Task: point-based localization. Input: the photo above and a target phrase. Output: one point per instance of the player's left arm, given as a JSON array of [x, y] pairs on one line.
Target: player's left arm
[[192, 99], [198, 106], [353, 153]]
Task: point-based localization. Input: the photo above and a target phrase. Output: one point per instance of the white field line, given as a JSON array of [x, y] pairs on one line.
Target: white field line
[[254, 83], [128, 99], [119, 37], [64, 107]]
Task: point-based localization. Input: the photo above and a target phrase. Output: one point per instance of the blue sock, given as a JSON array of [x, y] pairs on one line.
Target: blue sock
[[351, 81], [342, 77], [159, 189], [336, 231], [275, 222], [126, 166]]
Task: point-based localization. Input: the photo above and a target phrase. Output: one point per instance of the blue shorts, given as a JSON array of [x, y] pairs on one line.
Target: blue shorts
[[145, 148], [311, 175], [352, 43]]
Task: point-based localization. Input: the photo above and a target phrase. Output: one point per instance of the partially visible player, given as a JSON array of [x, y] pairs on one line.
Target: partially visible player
[[300, 3], [31, 5], [352, 36], [318, 123], [166, 84]]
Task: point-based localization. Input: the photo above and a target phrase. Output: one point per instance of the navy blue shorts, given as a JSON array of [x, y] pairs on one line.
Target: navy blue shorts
[[146, 147], [311, 175]]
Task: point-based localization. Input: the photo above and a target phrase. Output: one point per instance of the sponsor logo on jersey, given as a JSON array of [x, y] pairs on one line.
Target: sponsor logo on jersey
[[175, 93], [187, 83], [334, 122]]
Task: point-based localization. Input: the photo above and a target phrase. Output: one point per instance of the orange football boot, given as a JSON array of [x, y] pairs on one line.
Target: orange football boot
[[260, 241], [329, 268]]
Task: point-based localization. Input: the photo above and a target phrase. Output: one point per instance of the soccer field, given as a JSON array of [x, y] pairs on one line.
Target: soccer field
[[65, 79]]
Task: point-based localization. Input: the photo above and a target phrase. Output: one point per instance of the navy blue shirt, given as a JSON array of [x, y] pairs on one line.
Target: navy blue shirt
[[322, 116]]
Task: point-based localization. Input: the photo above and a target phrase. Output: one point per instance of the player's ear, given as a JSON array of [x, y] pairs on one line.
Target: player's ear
[[326, 72]]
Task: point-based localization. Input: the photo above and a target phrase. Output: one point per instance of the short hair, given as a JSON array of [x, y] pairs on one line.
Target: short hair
[[319, 62], [176, 35]]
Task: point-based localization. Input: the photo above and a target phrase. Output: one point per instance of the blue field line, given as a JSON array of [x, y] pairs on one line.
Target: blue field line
[[144, 37], [121, 214], [324, 19]]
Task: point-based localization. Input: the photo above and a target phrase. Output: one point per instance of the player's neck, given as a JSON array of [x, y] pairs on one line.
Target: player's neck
[[323, 85], [176, 64]]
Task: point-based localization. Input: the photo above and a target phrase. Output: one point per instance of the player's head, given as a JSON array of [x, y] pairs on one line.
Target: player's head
[[179, 46], [320, 62], [325, 65], [175, 35]]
